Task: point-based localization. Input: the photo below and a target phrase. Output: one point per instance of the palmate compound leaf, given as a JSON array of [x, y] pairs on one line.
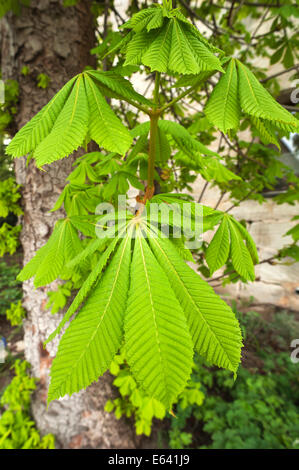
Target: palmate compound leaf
[[50, 260], [40, 126], [170, 43], [214, 329], [158, 345], [90, 343], [238, 90], [228, 241], [78, 110], [159, 323]]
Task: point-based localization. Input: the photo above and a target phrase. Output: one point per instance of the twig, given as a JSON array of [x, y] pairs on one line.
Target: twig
[[220, 199], [203, 191]]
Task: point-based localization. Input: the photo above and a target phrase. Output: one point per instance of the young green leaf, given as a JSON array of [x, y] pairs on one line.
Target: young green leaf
[[92, 278], [257, 102], [158, 344], [249, 241], [240, 255], [40, 126], [266, 131], [115, 86], [75, 113], [104, 126], [223, 108], [69, 130], [214, 329], [170, 44]]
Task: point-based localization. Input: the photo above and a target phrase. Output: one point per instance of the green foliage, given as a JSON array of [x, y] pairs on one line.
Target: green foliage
[[228, 241], [9, 238], [294, 232], [91, 342], [8, 108], [9, 206], [162, 368], [25, 70], [257, 411], [15, 314], [9, 197], [58, 299], [133, 401], [260, 411], [69, 3], [10, 289], [43, 80], [17, 430], [79, 109], [12, 5], [50, 261], [206, 313]]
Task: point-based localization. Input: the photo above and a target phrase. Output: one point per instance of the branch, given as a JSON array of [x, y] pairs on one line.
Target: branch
[[178, 98], [207, 24], [138, 106], [291, 108], [268, 260], [241, 200], [280, 73]]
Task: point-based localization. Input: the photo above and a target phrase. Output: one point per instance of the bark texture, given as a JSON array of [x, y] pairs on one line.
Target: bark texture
[[53, 40]]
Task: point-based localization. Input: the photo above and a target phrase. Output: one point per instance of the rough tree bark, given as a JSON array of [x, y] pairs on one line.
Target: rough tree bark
[[54, 40]]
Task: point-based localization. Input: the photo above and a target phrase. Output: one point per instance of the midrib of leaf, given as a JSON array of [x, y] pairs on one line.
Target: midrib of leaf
[[92, 85], [62, 234], [153, 310], [252, 92], [76, 99], [178, 38], [190, 297], [164, 40], [248, 81], [49, 106]]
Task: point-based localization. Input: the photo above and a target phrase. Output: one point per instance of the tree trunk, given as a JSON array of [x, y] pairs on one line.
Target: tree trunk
[[53, 40]]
